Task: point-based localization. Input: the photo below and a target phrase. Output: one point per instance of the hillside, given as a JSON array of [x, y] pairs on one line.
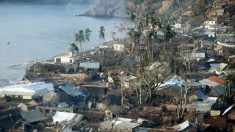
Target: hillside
[[199, 10]]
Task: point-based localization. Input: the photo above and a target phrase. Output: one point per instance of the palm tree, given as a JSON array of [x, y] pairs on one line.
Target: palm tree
[[135, 38], [87, 34], [148, 16], [102, 33], [73, 49], [80, 38], [150, 35], [168, 32], [131, 14], [229, 90]]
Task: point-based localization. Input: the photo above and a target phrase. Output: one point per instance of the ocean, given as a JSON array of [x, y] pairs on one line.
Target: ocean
[[33, 32]]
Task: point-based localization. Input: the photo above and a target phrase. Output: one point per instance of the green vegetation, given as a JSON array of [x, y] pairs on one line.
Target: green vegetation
[[87, 34], [82, 36], [73, 49], [102, 33]]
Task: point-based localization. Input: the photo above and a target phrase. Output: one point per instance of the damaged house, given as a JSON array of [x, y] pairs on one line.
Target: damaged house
[[26, 91]]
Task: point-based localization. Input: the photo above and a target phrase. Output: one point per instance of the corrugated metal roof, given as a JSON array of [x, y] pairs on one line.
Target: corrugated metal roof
[[32, 116], [217, 79], [71, 91], [28, 89], [182, 126], [213, 81], [92, 65], [228, 109], [70, 119]]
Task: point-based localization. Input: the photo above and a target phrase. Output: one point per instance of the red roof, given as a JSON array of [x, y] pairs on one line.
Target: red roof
[[217, 79]]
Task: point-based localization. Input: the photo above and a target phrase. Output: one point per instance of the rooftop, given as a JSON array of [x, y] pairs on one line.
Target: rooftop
[[32, 116], [217, 79]]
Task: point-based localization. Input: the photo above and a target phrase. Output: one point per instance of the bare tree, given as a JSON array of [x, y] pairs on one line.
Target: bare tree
[[152, 76], [181, 106]]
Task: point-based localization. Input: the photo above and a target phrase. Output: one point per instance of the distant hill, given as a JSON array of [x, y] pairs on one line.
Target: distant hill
[[108, 8]]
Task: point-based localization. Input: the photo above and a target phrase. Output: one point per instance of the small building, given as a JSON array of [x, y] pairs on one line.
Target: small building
[[177, 25], [22, 107], [96, 89], [89, 63], [118, 47], [231, 59], [31, 120], [209, 24], [118, 126], [26, 91], [216, 85], [74, 92], [129, 82], [52, 96], [210, 33], [188, 55], [71, 121], [198, 56], [222, 48], [219, 12], [65, 59]]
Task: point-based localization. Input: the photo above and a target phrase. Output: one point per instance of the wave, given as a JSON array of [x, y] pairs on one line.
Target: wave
[[20, 65]]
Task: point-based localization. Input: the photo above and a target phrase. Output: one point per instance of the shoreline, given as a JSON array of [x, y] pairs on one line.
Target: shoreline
[[101, 16]]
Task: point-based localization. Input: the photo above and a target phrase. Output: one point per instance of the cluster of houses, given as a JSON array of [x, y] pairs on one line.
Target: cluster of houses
[[72, 93], [112, 102]]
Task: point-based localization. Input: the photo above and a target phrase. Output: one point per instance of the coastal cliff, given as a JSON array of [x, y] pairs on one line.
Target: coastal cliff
[[108, 8]]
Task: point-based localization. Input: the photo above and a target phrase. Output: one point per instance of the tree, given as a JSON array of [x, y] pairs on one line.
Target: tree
[[168, 32], [73, 48], [229, 92], [135, 38], [182, 102], [148, 16], [80, 38], [87, 34], [149, 37], [152, 76], [136, 2], [102, 33], [131, 14]]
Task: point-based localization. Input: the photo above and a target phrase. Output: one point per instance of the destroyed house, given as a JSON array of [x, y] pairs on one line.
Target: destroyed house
[[216, 85], [76, 93], [97, 90], [26, 91], [118, 126], [70, 121], [32, 120], [129, 82], [89, 63]]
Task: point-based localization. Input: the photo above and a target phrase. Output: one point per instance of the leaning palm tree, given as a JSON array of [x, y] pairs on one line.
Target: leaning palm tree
[[87, 34], [102, 33], [80, 38], [73, 49]]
